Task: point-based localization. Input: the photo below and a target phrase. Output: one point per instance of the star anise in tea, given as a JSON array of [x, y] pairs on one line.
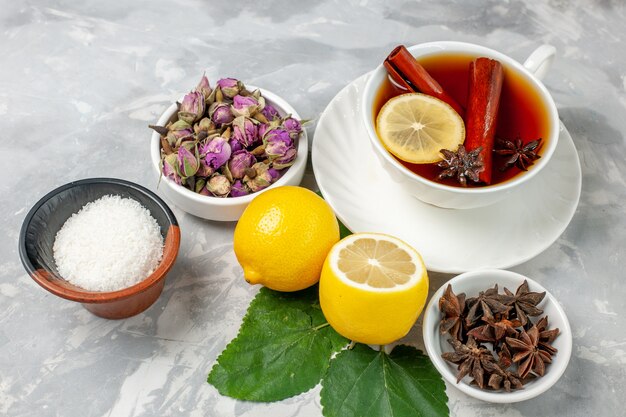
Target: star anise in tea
[[453, 308], [471, 358], [519, 154], [529, 355], [461, 164], [487, 304], [525, 302]]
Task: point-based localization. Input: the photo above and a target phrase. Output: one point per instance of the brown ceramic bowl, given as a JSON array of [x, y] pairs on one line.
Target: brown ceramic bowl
[[47, 217]]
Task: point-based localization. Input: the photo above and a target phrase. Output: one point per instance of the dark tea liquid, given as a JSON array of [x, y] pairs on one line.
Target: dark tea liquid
[[521, 112]]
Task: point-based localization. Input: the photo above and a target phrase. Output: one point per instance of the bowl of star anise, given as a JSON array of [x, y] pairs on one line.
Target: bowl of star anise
[[497, 335]]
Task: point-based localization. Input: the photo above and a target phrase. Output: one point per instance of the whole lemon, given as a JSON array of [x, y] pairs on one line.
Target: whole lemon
[[373, 288], [283, 237]]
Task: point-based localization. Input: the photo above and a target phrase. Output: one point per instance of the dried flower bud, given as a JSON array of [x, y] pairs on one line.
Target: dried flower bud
[[245, 131], [277, 143], [286, 160], [204, 87], [239, 189], [188, 161], [214, 153], [261, 178], [235, 145], [205, 125], [169, 168], [270, 112], [230, 87], [218, 185], [292, 126], [178, 131], [220, 113], [192, 107], [245, 106], [262, 129], [275, 174], [240, 162]]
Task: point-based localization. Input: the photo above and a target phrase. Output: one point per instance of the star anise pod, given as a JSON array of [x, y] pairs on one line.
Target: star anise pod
[[486, 305], [520, 155], [471, 358], [525, 302], [529, 355], [501, 378], [494, 330], [452, 306], [546, 337], [461, 164]]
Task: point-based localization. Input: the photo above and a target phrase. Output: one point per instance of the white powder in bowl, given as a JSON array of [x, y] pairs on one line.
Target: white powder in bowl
[[110, 244]]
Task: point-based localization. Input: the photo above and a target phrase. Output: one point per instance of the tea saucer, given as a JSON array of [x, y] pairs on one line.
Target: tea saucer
[[366, 199]]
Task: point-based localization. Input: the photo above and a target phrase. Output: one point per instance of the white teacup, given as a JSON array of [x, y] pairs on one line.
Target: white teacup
[[533, 69]]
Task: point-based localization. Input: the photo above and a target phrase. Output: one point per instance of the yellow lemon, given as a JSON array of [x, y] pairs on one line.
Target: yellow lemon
[[415, 127], [283, 237], [373, 288]]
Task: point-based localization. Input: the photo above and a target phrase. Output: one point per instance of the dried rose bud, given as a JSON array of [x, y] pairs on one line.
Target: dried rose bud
[[235, 145], [286, 160], [239, 189], [218, 185], [192, 107], [292, 126], [245, 131], [230, 87], [270, 112], [277, 143], [275, 174], [177, 131], [200, 187], [220, 113], [263, 128], [204, 87], [188, 161], [240, 162], [245, 106], [214, 153], [260, 178], [169, 168]]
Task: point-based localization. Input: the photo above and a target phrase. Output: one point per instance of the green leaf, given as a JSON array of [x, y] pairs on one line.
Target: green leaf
[[363, 382], [283, 348]]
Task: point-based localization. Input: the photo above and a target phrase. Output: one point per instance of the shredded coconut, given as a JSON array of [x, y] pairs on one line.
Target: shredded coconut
[[110, 244]]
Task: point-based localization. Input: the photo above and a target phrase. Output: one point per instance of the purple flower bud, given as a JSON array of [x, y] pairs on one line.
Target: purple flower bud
[[286, 160], [218, 185], [245, 131], [220, 114], [245, 106], [240, 162], [260, 178], [204, 87], [192, 107], [262, 129], [188, 162], [170, 163], [275, 174], [270, 112], [292, 126], [230, 87], [215, 153], [235, 145], [277, 143], [239, 189]]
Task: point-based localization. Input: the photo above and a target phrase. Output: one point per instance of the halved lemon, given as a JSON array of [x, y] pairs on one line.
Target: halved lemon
[[373, 287], [415, 127]]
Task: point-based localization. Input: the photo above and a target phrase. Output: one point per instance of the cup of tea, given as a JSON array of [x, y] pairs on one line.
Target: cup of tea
[[526, 113]]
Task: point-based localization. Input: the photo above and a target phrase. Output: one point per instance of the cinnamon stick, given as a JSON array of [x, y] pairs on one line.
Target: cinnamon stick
[[404, 70], [485, 86]]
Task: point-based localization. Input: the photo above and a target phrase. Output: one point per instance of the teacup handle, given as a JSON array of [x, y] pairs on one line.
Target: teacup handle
[[539, 62]]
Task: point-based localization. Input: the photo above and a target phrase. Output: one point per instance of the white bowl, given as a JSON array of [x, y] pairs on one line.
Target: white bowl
[[471, 283], [459, 197], [230, 208]]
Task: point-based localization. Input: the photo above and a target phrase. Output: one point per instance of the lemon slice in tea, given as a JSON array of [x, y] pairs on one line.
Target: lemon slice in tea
[[415, 127], [373, 287]]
